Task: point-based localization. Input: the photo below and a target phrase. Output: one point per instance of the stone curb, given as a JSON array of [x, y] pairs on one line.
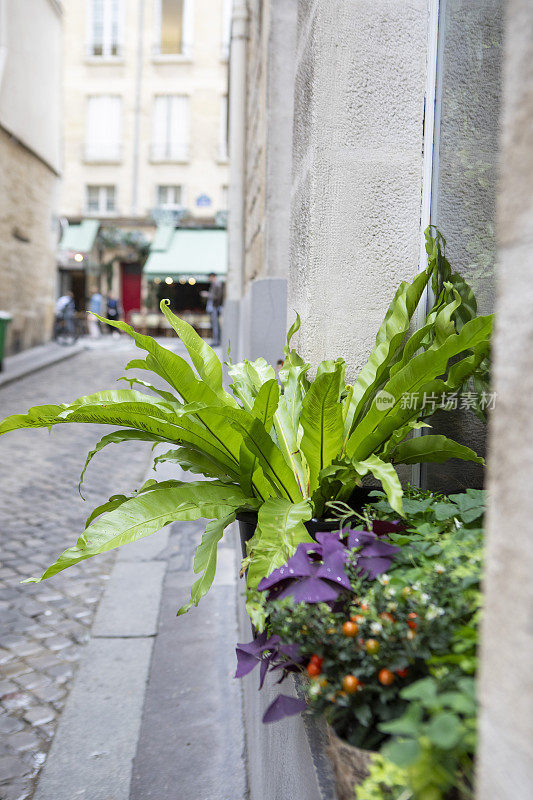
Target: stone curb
[[35, 359], [93, 750]]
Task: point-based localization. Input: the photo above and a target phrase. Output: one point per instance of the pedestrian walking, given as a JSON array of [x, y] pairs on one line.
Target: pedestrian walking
[[64, 316], [96, 306], [114, 312], [215, 297]]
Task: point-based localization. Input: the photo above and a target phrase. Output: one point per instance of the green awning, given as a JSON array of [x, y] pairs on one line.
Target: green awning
[[80, 238], [189, 253]]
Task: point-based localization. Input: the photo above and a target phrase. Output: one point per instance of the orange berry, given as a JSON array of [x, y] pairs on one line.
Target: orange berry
[[411, 620], [387, 616], [316, 659], [350, 629], [386, 677], [364, 606], [331, 631], [411, 635], [313, 670], [350, 684], [372, 646]]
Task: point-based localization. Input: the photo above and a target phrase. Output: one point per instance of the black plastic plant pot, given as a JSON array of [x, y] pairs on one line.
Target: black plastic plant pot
[[248, 519]]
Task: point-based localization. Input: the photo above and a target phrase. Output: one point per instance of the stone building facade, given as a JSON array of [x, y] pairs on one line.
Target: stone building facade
[[30, 159], [145, 98], [389, 122]]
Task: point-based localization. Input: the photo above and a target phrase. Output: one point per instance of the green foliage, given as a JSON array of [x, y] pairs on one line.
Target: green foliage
[[286, 447], [386, 781], [419, 621]]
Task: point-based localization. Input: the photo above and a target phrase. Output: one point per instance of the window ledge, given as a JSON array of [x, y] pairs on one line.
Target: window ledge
[[101, 61], [172, 59], [169, 160], [105, 161]]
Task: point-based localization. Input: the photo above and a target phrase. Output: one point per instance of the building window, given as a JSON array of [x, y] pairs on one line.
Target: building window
[[173, 25], [169, 196], [170, 128], [103, 130], [100, 200], [223, 143], [105, 27]]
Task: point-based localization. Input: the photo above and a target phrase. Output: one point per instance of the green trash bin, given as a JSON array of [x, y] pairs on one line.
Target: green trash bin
[[5, 319]]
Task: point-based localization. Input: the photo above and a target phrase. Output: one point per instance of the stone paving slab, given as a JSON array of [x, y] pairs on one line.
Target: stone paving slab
[[95, 744], [130, 605], [191, 743], [44, 628]]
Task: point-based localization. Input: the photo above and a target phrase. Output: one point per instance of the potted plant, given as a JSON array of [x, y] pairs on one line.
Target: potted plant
[[279, 449], [382, 625]]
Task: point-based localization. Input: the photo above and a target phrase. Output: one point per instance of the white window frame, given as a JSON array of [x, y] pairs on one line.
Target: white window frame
[[102, 191], [101, 151], [188, 33], [168, 150], [107, 39], [170, 203]]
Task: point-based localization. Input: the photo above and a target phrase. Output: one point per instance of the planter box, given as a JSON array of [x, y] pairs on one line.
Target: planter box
[[350, 765], [284, 760]]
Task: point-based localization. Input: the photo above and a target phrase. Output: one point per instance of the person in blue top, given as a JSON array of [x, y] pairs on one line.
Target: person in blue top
[[96, 306]]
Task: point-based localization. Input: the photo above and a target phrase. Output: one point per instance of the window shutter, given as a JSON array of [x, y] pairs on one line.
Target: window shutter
[[226, 27], [103, 127], [159, 127], [179, 127]]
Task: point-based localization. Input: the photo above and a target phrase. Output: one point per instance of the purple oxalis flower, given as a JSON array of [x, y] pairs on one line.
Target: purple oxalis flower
[[251, 653], [316, 573], [266, 651]]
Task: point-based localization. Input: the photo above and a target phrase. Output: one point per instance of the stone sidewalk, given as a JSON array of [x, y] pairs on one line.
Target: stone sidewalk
[[47, 628]]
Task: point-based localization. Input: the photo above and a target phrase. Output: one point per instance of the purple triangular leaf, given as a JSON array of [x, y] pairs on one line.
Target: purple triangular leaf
[[283, 706], [310, 590]]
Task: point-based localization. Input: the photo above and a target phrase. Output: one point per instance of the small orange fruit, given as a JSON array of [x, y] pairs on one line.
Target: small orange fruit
[[350, 629], [386, 677], [350, 684]]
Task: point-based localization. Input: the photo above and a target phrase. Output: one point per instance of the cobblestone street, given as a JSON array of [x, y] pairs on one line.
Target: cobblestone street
[[44, 626]]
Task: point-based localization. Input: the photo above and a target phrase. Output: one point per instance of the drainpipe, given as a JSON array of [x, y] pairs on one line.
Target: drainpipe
[[429, 171], [137, 113], [237, 134]]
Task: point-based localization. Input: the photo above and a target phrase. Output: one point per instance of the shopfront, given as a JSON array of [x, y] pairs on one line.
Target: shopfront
[[177, 269]]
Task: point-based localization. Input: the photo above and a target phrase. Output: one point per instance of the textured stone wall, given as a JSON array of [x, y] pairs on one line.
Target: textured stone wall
[[27, 241], [267, 178], [255, 144], [357, 168], [506, 747]]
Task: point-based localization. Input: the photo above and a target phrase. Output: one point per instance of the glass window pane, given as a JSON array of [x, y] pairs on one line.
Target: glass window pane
[[171, 26], [97, 27], [92, 198], [464, 185], [110, 198]]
